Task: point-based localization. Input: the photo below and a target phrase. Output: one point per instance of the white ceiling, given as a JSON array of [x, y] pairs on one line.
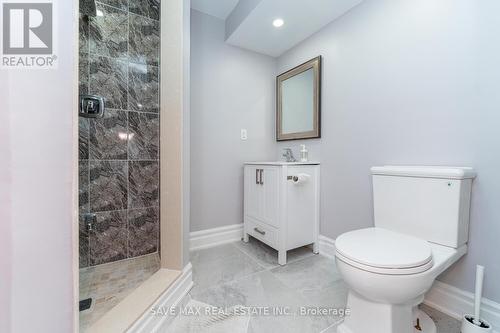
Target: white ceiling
[[302, 19], [217, 8]]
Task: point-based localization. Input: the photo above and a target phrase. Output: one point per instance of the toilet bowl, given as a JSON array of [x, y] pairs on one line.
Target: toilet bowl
[[388, 274], [421, 217]]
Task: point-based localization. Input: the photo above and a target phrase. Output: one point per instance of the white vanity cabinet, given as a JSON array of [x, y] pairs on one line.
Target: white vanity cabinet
[[281, 205]]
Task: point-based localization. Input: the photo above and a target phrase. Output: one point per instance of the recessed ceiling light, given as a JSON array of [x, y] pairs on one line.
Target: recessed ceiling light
[[278, 22]]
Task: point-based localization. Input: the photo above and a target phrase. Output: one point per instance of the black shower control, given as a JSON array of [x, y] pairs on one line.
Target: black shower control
[[91, 106]]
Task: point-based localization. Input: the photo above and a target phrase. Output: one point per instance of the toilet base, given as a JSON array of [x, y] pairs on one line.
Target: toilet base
[[366, 316]]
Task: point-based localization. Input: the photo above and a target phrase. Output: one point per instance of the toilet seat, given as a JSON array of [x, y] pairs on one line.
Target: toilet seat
[[383, 251]]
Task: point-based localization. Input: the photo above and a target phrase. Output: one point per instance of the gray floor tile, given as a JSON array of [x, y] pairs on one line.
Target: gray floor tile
[[227, 268], [312, 273], [444, 323], [260, 289], [280, 324], [214, 253], [267, 257], [247, 274]]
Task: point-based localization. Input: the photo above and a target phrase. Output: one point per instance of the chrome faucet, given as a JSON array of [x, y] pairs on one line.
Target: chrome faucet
[[288, 155]]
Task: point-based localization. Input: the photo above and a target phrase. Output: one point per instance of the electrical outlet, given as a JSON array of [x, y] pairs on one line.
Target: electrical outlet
[[243, 134]]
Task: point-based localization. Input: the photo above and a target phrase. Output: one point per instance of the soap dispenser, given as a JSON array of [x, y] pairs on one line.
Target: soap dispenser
[[303, 153]]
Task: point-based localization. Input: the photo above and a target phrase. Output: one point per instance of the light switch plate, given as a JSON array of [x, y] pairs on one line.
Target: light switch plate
[[243, 134]]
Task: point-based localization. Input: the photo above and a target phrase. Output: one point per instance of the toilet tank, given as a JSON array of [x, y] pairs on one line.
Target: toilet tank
[[431, 203]]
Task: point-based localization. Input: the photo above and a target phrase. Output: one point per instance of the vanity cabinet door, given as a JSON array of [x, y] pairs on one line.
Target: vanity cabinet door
[[253, 190], [270, 196]]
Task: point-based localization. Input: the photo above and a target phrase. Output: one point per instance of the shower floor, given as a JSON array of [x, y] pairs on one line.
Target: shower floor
[[109, 284]]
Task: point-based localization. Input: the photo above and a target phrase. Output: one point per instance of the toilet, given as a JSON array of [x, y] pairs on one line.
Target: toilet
[[421, 217]]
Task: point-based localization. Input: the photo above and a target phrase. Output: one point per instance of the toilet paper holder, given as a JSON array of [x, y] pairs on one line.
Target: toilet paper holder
[[300, 179]]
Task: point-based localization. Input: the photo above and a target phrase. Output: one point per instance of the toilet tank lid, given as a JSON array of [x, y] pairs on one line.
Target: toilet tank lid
[[445, 172]]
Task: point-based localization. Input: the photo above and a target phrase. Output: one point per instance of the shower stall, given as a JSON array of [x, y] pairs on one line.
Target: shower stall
[[119, 151]]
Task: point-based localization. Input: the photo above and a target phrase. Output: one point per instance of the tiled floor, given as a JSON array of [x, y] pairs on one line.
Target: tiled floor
[[108, 284], [249, 275]]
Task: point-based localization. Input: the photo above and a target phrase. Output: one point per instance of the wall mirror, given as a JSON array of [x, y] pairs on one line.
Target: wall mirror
[[298, 102]]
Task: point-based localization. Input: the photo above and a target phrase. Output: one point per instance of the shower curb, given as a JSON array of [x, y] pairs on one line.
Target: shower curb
[[156, 318]]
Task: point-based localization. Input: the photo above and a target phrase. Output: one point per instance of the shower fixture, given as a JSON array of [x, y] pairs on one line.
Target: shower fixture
[[91, 106]]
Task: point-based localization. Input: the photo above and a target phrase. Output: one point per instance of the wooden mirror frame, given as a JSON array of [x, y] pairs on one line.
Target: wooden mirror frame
[[315, 64]]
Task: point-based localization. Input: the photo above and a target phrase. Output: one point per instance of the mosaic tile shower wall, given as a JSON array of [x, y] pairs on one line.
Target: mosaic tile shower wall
[[119, 161]]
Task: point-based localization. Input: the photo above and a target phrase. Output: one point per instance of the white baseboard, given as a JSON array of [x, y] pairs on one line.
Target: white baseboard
[[216, 236], [443, 297], [326, 246], [456, 302], [172, 297], [232, 233]]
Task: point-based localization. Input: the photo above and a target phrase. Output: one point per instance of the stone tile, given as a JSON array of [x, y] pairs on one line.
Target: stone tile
[[232, 321], [83, 138], [83, 26], [319, 283], [331, 329], [108, 78], [332, 296], [313, 273], [109, 32], [83, 88], [225, 269], [120, 4], [312, 281], [220, 252], [108, 240], [108, 136], [108, 185], [144, 40], [144, 139], [260, 289], [143, 88], [149, 8], [143, 231], [83, 243], [83, 68], [267, 257], [112, 282], [83, 73], [143, 184], [83, 186], [86, 7], [273, 324]]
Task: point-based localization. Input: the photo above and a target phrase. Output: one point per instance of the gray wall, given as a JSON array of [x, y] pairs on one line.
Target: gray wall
[[230, 89], [410, 82]]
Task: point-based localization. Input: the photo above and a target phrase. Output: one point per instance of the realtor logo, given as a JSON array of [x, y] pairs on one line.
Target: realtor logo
[[27, 34]]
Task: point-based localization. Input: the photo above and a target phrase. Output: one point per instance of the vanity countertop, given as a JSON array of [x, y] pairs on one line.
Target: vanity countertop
[[282, 163]]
